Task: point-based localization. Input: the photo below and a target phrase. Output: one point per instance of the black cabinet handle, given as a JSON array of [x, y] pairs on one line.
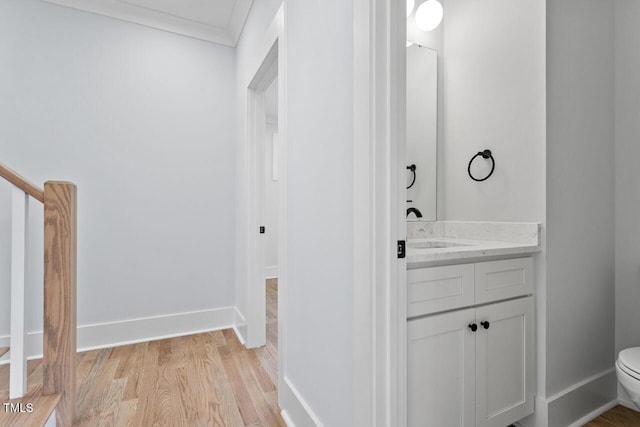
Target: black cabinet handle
[[473, 327], [485, 324]]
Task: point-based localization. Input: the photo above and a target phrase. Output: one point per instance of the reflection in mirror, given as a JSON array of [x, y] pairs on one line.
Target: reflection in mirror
[[422, 131]]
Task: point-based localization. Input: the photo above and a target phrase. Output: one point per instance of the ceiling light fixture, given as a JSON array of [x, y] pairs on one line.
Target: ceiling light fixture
[[429, 15]]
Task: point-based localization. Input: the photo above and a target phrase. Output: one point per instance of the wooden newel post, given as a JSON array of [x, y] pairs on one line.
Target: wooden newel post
[[60, 251]]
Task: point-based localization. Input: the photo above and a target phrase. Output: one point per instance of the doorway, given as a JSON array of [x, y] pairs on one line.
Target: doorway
[[271, 181], [268, 354], [271, 192], [264, 200]]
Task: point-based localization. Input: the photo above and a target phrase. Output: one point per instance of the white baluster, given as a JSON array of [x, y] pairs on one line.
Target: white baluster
[[19, 229]]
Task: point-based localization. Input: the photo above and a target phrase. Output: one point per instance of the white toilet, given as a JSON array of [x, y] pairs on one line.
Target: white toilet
[[628, 372]]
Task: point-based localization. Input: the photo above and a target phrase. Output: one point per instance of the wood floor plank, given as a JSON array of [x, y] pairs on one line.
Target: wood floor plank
[[90, 391], [259, 373], [126, 413], [600, 423], [216, 338], [192, 401], [148, 379], [224, 411], [42, 407], [3, 351], [620, 416], [268, 355], [167, 412], [129, 369], [203, 380], [240, 391], [255, 390]]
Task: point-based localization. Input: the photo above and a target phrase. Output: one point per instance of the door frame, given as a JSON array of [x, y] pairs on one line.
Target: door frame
[[270, 64], [273, 55], [264, 76], [379, 117], [379, 290]]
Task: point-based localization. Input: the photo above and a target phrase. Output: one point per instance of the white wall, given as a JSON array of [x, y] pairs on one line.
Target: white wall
[[580, 190], [320, 206], [580, 205], [627, 177], [143, 121], [318, 342], [494, 89]]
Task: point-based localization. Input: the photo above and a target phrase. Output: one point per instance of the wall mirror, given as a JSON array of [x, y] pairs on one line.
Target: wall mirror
[[425, 95], [422, 132], [424, 116]]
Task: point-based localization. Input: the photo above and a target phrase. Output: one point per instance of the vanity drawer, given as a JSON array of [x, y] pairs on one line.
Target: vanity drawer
[[439, 288], [496, 280]]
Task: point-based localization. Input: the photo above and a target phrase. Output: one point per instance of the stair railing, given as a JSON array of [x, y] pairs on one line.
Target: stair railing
[[60, 309]]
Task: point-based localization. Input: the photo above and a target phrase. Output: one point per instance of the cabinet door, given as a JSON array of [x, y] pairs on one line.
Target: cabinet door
[[504, 362], [509, 278], [441, 370]]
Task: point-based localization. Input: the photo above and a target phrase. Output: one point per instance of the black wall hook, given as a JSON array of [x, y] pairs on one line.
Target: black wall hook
[[486, 154]]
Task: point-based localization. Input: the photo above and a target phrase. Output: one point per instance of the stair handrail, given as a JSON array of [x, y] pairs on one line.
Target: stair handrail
[[60, 282], [22, 183]]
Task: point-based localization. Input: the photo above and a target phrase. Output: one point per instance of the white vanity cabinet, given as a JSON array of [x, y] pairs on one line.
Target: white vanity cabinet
[[434, 289], [473, 364]]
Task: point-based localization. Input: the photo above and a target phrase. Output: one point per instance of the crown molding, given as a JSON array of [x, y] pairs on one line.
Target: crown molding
[[238, 19], [124, 11]]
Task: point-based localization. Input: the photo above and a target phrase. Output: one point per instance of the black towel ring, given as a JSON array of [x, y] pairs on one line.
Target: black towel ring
[[486, 154]]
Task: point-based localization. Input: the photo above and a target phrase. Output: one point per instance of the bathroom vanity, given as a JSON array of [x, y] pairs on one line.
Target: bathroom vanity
[[470, 323]]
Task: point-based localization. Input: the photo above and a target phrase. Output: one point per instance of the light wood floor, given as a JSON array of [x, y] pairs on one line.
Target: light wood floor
[[619, 416], [200, 380]]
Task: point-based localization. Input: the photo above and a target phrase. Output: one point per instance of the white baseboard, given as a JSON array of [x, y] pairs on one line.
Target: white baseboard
[[583, 401], [271, 272], [113, 334], [240, 326], [296, 412], [287, 419]]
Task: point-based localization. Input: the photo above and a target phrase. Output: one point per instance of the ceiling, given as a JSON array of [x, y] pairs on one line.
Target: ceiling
[[218, 21]]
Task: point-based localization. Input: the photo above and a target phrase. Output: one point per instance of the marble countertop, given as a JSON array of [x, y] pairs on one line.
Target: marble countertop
[[438, 243]]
